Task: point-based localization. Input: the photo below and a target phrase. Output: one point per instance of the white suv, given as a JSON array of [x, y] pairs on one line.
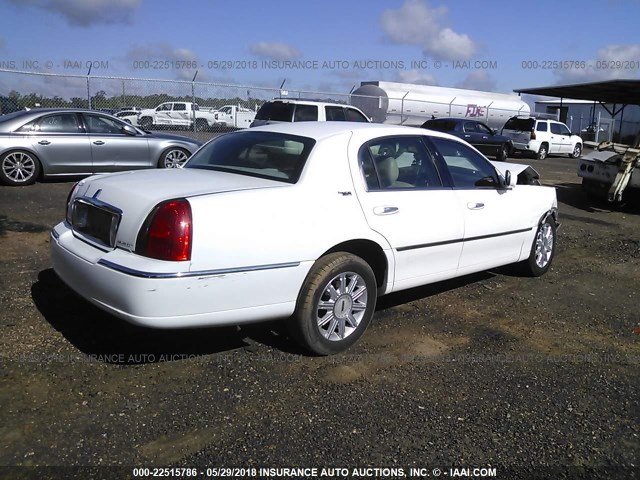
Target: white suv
[[285, 110], [542, 137]]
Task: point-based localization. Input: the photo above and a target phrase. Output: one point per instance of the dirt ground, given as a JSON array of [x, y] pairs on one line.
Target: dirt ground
[[525, 375]]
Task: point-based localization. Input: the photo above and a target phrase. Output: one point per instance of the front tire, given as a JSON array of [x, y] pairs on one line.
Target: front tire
[[577, 151], [173, 158], [335, 305], [18, 168], [542, 250]]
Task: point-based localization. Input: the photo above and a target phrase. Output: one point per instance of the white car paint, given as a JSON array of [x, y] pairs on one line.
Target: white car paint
[[255, 240]]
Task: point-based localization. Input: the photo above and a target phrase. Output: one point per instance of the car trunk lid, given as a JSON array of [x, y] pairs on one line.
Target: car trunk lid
[[112, 208]]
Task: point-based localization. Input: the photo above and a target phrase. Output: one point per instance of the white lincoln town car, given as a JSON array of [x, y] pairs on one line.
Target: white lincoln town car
[[306, 222]]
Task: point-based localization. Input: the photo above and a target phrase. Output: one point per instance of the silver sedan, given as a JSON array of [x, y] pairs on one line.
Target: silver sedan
[[58, 142]]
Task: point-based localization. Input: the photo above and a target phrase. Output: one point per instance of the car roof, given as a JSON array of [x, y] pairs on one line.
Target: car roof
[[320, 130], [17, 119], [453, 119], [310, 102]]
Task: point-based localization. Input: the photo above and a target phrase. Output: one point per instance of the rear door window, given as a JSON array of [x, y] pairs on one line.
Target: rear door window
[[398, 162], [335, 114], [469, 127], [59, 123], [306, 113], [355, 116], [541, 127]]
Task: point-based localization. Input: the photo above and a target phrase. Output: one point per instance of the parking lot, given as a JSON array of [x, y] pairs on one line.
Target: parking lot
[[488, 370]]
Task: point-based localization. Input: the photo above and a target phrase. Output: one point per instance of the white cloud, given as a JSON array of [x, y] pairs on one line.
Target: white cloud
[[275, 50], [416, 77], [47, 86], [84, 13], [162, 52], [619, 59], [415, 23], [478, 80]]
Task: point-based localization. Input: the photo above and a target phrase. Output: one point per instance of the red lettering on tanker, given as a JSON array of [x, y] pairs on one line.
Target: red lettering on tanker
[[475, 111]]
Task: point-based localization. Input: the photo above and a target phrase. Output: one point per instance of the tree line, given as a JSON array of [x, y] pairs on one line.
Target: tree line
[[16, 101]]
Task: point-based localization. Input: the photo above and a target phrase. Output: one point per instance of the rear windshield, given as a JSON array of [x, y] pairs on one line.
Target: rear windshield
[[440, 125], [270, 155], [520, 124], [277, 111]]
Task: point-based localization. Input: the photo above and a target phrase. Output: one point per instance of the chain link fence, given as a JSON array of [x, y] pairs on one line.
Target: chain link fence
[[143, 102], [220, 107]]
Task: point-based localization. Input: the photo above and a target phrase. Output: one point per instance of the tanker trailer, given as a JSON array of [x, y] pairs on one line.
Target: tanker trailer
[[412, 105]]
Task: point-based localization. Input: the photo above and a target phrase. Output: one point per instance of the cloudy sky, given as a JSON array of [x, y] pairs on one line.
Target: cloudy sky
[[495, 46]]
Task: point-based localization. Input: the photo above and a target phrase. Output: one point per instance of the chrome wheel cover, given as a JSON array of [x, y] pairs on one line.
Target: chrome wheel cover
[[19, 166], [544, 245], [342, 306], [175, 159], [577, 150]]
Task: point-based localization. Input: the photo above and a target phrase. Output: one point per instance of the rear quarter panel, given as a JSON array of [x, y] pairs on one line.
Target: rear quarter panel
[[294, 223]]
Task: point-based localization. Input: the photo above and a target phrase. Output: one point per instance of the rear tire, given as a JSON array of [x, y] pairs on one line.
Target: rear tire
[[503, 153], [542, 250], [335, 304], [19, 168], [173, 157], [145, 122], [201, 125], [543, 151]]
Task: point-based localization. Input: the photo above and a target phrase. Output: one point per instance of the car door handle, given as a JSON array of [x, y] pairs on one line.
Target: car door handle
[[475, 206], [98, 142], [485, 137], [385, 210], [467, 136], [44, 142]]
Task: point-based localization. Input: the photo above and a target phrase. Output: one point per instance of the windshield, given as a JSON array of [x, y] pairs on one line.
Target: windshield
[[271, 155]]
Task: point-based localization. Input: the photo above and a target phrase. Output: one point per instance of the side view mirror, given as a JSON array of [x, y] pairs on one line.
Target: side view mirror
[[494, 131], [129, 130], [509, 180]]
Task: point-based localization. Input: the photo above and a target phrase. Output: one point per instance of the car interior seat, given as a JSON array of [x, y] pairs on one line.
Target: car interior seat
[[388, 172]]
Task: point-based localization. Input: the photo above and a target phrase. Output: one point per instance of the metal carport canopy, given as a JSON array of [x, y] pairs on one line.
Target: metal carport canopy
[[621, 92]]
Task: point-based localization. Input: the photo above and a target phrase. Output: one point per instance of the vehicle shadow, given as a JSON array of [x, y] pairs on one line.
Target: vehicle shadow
[[99, 334], [426, 291], [573, 195]]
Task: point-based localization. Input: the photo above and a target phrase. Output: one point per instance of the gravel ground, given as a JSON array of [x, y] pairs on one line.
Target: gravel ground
[[524, 375]]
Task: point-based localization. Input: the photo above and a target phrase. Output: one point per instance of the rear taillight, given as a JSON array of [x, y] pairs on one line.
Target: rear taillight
[[533, 134], [167, 232]]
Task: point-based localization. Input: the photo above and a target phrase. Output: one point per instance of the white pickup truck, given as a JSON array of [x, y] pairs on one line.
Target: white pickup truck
[[234, 116], [177, 114]]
